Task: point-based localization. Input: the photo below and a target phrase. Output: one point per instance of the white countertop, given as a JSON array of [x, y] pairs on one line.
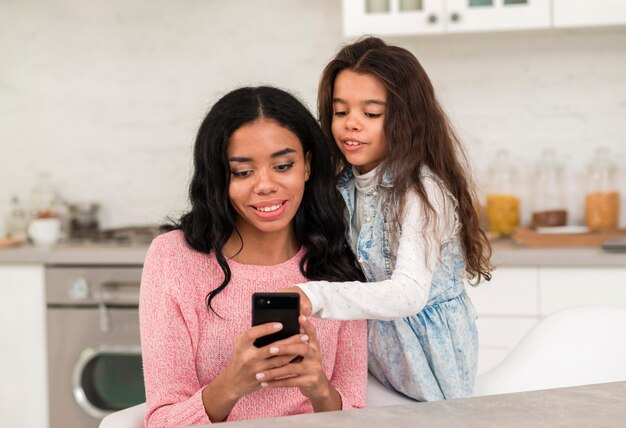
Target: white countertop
[[505, 253], [601, 405]]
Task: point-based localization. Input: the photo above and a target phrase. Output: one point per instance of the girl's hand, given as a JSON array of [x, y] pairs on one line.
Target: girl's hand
[[305, 303], [307, 375]]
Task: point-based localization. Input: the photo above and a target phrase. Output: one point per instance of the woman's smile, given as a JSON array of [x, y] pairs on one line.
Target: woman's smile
[[270, 210]]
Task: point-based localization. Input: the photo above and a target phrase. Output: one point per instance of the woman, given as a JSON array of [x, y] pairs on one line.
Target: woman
[[264, 215]]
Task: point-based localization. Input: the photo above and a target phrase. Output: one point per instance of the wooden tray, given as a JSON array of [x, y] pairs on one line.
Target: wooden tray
[[530, 238]]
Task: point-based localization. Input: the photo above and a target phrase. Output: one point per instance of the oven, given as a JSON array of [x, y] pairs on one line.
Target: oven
[[94, 354]]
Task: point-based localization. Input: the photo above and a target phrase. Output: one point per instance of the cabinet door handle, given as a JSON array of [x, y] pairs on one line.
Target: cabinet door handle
[[455, 17], [432, 18]]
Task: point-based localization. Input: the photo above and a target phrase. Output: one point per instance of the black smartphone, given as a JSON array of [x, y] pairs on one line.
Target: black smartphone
[[276, 307]]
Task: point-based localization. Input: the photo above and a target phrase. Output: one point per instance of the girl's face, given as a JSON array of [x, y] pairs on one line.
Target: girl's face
[[268, 171], [359, 102]]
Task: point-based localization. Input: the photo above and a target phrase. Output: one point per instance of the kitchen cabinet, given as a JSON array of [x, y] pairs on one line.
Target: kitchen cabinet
[[578, 13], [410, 17], [488, 15], [419, 17], [23, 390], [562, 288], [518, 297], [393, 17], [512, 291], [507, 307]]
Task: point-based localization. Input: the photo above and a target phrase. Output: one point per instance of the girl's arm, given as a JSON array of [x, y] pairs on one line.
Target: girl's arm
[[406, 292]]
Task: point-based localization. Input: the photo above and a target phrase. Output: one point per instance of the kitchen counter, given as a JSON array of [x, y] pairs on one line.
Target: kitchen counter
[[505, 253], [508, 253], [601, 405], [75, 254]]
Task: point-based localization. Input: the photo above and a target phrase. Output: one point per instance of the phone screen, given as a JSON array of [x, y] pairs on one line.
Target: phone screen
[[276, 307]]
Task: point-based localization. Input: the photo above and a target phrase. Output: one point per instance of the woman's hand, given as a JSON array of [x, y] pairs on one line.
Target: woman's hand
[[306, 375], [245, 371], [305, 303]]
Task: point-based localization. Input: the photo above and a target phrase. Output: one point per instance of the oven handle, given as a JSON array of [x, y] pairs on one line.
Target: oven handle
[[85, 357], [112, 292]]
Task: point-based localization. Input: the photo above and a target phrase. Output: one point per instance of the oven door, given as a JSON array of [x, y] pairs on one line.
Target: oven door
[[92, 372], [108, 378]]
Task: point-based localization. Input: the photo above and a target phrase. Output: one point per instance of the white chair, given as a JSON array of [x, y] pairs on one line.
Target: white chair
[[377, 396], [127, 418], [572, 347]]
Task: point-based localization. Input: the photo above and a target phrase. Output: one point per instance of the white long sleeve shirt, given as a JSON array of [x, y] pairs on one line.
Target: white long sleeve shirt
[[406, 292]]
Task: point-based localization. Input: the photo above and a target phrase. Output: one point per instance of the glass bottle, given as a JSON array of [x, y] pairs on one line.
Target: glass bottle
[[549, 208], [17, 221], [602, 197], [503, 203]]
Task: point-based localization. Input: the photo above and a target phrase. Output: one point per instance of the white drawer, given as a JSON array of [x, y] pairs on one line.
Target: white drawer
[[511, 291]]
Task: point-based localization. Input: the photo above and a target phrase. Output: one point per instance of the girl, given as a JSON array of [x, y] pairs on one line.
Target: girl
[[262, 172], [412, 222]]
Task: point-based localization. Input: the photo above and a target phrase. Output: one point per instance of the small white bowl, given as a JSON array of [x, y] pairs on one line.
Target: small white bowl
[[45, 232]]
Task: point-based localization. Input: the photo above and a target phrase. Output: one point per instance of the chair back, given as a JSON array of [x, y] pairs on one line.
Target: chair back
[[378, 395], [577, 346], [127, 418]]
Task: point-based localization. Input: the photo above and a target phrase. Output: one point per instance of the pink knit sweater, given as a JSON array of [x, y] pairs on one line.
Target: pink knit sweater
[[185, 346]]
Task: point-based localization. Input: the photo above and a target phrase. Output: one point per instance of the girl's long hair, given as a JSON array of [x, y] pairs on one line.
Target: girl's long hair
[[418, 133], [318, 223]]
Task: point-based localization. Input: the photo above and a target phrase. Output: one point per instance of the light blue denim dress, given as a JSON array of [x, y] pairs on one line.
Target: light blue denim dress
[[431, 355]]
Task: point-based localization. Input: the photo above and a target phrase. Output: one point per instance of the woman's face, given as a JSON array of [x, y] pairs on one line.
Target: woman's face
[[359, 102], [268, 171]]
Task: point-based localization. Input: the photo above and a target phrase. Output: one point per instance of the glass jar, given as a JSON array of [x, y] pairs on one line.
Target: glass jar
[[548, 201], [503, 203], [602, 197], [43, 197]]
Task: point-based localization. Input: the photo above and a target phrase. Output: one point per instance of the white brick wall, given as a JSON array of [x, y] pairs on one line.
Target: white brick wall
[[108, 98]]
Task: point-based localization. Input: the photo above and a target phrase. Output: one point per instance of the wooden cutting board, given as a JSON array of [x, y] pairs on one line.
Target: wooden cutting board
[[10, 242], [530, 238]]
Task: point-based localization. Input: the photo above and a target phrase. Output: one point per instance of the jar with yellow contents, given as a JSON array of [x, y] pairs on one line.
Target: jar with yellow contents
[[602, 197], [503, 202]]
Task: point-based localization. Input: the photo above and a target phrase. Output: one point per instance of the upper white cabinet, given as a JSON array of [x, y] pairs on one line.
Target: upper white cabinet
[[393, 17], [575, 13], [406, 17], [487, 15], [411, 17]]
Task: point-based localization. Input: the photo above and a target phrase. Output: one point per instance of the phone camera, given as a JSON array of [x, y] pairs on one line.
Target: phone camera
[[261, 301]]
